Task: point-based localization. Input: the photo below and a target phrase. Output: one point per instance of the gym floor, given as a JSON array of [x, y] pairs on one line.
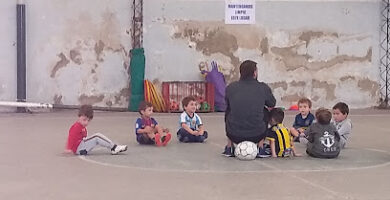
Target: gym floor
[[33, 165]]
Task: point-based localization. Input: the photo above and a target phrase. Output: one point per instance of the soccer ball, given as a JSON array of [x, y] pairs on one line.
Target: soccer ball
[[246, 150]]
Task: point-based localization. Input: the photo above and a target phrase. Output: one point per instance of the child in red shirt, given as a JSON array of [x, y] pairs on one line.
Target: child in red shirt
[[80, 144]]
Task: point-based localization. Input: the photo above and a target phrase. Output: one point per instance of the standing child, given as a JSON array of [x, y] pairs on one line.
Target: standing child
[[342, 122], [147, 129], [302, 120], [80, 144], [191, 127], [322, 136], [281, 144]]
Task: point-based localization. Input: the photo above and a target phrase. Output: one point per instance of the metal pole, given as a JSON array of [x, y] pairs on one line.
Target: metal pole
[[137, 24], [387, 56], [21, 52]]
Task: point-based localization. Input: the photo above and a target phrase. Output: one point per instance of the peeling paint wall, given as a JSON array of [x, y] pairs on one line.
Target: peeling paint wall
[[327, 51], [77, 52]]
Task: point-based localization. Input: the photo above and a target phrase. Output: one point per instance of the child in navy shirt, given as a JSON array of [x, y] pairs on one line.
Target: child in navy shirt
[[302, 120], [147, 129]]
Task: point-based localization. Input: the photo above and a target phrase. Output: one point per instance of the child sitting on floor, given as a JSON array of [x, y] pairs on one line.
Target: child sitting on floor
[[78, 140], [281, 143], [147, 129], [191, 126]]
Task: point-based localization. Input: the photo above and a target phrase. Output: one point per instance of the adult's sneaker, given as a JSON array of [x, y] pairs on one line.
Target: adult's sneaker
[[118, 149], [263, 153], [228, 152]]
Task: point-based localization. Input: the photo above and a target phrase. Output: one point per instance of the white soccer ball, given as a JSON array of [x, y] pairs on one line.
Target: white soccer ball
[[246, 150]]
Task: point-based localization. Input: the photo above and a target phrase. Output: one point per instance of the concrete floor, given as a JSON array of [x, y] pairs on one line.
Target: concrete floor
[[33, 166]]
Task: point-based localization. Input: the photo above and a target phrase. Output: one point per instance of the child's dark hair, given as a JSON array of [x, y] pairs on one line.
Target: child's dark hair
[[86, 110], [143, 105], [277, 115], [323, 116], [343, 107], [247, 69], [187, 100], [305, 100]]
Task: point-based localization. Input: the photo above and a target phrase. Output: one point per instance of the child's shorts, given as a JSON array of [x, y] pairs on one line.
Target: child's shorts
[[143, 139]]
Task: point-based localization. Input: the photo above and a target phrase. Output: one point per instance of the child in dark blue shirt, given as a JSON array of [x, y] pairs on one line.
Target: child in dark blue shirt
[[147, 129], [302, 120]]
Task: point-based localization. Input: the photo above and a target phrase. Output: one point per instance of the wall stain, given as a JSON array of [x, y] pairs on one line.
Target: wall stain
[[264, 46], [211, 38], [369, 86], [293, 61], [298, 83], [290, 98], [329, 88], [60, 64], [109, 103], [57, 99], [75, 56], [99, 47], [307, 36], [123, 93], [278, 85], [315, 98], [345, 78], [95, 78], [84, 99]]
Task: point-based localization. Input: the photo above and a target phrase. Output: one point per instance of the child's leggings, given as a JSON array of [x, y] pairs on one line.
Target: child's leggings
[[184, 136], [98, 139]]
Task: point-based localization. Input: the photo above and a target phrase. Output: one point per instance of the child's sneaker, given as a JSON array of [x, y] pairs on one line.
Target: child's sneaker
[[228, 152], [263, 153], [165, 139], [157, 139], [287, 152], [118, 149]]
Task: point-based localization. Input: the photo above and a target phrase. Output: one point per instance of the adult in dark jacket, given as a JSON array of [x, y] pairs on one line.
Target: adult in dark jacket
[[244, 115]]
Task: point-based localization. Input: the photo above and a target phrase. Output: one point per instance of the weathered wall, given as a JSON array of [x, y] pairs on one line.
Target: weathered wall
[[327, 51], [7, 51], [77, 51]]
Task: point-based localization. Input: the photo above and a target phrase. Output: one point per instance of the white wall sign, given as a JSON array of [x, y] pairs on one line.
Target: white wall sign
[[240, 11]]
